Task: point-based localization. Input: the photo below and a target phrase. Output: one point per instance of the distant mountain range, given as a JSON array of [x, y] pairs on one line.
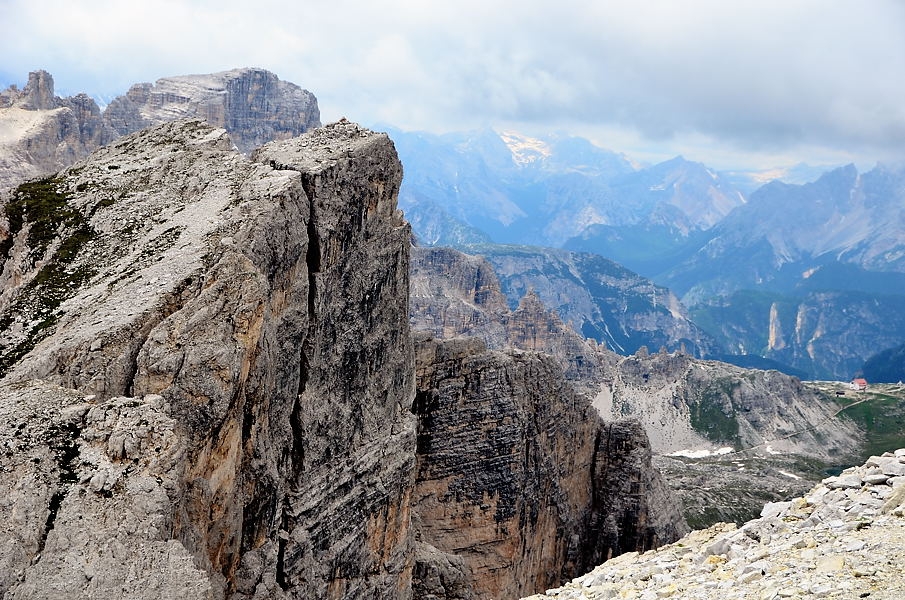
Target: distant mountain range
[[807, 275]]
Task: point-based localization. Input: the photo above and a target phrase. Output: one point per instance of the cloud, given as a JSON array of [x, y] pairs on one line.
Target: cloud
[[762, 77]]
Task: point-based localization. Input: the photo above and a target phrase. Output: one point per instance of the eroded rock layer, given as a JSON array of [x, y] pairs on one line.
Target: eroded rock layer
[[240, 428], [519, 479], [208, 391]]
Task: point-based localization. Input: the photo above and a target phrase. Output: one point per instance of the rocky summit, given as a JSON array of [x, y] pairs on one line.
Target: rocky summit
[[41, 133], [844, 539], [209, 390]]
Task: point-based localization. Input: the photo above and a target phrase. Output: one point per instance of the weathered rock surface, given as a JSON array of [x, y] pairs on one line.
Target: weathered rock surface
[[727, 439], [207, 381], [41, 133], [238, 336], [597, 297], [455, 294], [518, 476], [253, 105], [844, 539], [687, 404]]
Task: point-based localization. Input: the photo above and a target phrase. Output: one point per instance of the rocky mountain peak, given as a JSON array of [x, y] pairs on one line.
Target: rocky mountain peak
[[38, 92], [210, 385], [252, 104]]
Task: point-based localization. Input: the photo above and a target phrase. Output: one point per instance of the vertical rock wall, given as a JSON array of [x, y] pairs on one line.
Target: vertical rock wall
[[519, 479], [256, 314], [208, 391]]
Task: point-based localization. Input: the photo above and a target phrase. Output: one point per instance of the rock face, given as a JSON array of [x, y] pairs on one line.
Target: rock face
[[600, 299], [844, 539], [241, 426], [729, 439], [253, 105], [41, 133], [454, 294], [686, 403], [519, 479], [208, 391]]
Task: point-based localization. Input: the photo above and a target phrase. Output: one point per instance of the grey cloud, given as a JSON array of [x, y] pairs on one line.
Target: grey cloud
[[760, 76]]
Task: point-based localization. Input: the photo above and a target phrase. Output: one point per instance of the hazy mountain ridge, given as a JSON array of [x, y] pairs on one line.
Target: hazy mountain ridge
[[518, 189], [842, 217]]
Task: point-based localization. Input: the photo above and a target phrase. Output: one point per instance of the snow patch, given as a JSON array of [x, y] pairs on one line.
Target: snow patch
[[787, 474], [525, 150], [701, 453]]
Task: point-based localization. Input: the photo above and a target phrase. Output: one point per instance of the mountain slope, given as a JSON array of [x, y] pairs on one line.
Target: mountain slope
[[518, 189], [41, 133]]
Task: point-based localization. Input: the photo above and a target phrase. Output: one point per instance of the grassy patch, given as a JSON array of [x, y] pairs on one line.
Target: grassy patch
[[44, 207], [712, 414]]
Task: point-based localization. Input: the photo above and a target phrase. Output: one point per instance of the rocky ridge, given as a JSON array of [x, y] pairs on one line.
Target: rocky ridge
[[687, 403], [209, 391], [253, 105], [844, 539], [455, 294], [188, 303], [41, 133]]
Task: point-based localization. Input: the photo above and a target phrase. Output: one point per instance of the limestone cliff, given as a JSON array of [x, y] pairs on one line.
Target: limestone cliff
[[233, 343], [253, 105], [207, 385], [41, 133], [455, 294], [520, 483]]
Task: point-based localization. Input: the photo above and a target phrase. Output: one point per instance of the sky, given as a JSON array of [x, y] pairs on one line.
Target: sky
[[734, 84]]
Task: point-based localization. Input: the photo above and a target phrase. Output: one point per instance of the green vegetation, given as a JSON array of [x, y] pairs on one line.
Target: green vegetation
[[44, 208], [712, 414], [879, 412]]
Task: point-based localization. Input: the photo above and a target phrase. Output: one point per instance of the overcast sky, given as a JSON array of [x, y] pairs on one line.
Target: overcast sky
[[730, 83]]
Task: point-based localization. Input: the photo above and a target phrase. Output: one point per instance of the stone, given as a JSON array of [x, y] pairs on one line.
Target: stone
[[253, 105], [844, 556], [208, 383], [273, 453], [775, 509], [508, 456]]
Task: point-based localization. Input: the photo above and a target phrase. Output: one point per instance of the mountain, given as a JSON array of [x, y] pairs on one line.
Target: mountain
[[785, 234], [808, 275], [828, 335], [726, 439], [41, 133], [887, 366], [670, 206], [600, 299], [209, 383], [253, 105], [517, 189]]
